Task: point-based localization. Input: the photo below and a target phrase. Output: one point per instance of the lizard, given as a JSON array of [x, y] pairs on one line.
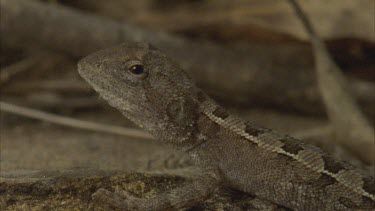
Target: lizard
[[154, 92]]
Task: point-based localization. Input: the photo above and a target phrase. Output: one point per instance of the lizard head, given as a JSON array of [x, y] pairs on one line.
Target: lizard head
[[147, 87]]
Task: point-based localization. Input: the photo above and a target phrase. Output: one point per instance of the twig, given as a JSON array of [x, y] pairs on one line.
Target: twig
[[45, 100], [35, 114], [350, 125], [51, 85], [7, 72]]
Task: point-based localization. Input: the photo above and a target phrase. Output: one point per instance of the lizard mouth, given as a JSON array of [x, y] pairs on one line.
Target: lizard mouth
[[99, 81], [83, 70]]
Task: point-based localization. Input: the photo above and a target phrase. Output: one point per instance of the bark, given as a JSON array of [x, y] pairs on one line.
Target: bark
[[72, 189]]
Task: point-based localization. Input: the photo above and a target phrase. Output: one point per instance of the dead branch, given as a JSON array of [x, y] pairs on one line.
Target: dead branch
[[322, 131], [130, 132], [49, 85], [72, 189], [50, 100], [350, 125], [255, 73], [61, 120], [8, 72]]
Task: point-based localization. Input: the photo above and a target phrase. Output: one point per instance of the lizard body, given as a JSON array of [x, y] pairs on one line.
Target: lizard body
[[154, 92]]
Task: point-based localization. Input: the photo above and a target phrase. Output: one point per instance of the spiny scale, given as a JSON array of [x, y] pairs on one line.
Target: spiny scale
[[309, 156]]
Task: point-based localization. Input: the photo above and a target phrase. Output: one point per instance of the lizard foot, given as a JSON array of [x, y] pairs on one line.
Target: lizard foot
[[181, 197]]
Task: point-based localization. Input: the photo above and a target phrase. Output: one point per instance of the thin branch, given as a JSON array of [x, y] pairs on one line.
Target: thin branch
[[51, 85], [350, 125], [45, 100], [303, 18], [7, 72], [40, 115]]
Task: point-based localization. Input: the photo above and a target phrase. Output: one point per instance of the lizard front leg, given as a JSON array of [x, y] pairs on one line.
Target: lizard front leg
[[186, 196]]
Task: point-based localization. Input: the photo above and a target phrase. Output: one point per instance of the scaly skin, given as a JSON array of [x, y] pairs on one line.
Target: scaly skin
[[156, 94]]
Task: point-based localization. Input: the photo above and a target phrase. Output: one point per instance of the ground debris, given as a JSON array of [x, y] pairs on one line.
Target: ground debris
[[72, 189]]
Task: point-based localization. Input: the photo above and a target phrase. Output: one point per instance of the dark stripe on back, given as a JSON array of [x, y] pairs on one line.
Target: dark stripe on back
[[368, 203], [325, 180], [201, 97], [291, 145], [331, 165], [369, 185], [220, 112], [254, 130], [348, 203], [286, 157]]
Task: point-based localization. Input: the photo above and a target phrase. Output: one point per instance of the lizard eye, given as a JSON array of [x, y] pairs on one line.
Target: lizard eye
[[136, 69]]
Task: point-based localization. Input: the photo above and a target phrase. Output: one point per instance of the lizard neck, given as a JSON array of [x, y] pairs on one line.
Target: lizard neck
[[204, 127], [177, 123]]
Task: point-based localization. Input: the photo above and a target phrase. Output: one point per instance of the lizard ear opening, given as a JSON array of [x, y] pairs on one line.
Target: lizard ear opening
[[151, 47]]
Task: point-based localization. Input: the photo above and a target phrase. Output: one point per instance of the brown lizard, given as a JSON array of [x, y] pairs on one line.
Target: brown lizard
[[154, 92]]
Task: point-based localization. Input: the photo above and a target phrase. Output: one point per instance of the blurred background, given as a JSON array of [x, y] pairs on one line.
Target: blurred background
[[253, 56]]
